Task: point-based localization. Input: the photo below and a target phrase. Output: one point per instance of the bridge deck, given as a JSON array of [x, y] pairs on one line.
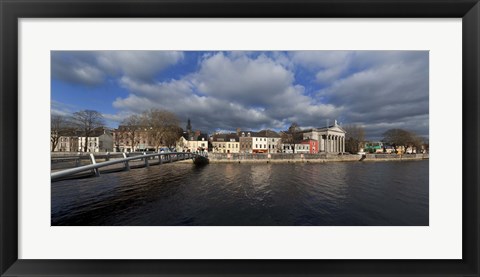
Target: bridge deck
[[125, 163]]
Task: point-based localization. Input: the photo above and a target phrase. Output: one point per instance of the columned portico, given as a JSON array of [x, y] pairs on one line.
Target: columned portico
[[331, 139]]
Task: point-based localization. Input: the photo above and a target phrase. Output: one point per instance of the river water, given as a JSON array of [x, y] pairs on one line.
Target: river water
[[328, 194]]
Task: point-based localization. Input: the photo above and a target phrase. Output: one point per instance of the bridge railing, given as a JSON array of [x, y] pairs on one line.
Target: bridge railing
[[170, 157]]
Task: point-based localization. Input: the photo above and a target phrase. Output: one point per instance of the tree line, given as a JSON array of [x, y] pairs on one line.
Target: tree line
[[355, 139], [160, 127], [82, 122]]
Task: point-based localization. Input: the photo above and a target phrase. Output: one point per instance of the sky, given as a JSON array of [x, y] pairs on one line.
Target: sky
[[251, 90]]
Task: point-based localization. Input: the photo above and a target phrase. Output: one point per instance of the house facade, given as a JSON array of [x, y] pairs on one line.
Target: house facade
[[245, 140], [193, 142], [312, 145], [66, 144], [98, 141], [259, 143], [273, 140], [225, 143], [131, 139]]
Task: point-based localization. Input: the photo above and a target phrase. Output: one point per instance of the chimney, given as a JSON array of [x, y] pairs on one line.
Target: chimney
[[238, 131]]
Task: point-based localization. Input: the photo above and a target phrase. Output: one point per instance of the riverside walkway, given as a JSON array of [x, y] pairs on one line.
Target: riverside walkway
[[112, 161]]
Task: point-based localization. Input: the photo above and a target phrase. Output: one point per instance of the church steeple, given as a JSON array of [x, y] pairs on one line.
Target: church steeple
[[189, 126]]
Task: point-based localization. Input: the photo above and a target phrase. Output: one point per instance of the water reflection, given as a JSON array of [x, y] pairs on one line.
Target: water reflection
[[394, 193]]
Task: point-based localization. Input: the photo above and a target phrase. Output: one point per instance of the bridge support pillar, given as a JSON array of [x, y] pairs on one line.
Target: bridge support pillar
[[127, 166], [146, 160], [96, 171]]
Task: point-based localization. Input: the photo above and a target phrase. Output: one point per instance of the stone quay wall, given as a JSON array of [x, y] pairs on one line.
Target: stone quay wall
[[309, 158]]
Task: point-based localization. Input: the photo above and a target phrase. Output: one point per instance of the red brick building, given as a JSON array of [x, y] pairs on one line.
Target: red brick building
[[313, 145]]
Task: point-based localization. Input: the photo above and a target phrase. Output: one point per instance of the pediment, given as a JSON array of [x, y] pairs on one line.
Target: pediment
[[336, 129]]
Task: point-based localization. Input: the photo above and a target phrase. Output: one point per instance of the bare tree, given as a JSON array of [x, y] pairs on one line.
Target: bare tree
[[58, 128], [400, 137], [292, 136], [163, 127], [130, 130], [354, 138], [87, 121]]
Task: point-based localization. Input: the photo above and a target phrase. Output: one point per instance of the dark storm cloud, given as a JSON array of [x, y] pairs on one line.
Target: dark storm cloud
[[392, 91]]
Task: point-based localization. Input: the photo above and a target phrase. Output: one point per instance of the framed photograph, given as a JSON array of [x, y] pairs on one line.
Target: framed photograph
[[239, 138]]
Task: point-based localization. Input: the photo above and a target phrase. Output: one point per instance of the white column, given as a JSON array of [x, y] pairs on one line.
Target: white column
[[333, 144], [341, 144], [334, 147], [328, 146], [336, 143], [328, 143]]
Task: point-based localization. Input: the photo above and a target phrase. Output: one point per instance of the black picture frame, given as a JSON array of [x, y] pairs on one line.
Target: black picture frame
[[11, 11]]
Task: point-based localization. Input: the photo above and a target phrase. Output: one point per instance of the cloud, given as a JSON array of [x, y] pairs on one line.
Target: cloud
[[249, 81], [391, 91], [76, 70], [230, 91], [59, 108], [320, 59], [91, 68], [141, 65], [256, 90]]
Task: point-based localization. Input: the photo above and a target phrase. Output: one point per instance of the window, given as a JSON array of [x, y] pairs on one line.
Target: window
[[256, 145]]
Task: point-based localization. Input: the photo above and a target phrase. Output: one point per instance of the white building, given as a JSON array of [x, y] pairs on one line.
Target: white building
[[300, 148], [259, 144], [330, 139], [197, 142], [98, 141], [66, 144]]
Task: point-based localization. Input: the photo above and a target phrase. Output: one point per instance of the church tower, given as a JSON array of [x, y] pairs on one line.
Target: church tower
[[189, 126]]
